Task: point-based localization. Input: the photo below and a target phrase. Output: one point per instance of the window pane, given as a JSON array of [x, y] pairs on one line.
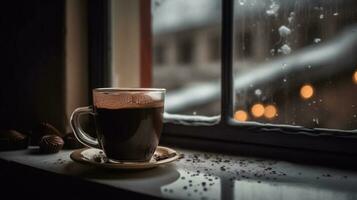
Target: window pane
[[295, 62], [186, 47]]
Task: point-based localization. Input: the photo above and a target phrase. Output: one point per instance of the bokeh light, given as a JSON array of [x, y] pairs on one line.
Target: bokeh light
[[257, 110], [241, 115], [270, 111], [355, 77], [306, 91]]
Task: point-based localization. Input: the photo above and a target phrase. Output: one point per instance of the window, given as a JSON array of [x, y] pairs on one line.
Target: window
[[292, 83], [286, 85], [261, 96]]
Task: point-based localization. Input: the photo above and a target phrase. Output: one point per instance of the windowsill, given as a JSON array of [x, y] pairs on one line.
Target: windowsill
[[200, 175]]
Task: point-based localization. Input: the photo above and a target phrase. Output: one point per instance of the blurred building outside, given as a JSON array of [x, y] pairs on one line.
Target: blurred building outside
[[187, 55]]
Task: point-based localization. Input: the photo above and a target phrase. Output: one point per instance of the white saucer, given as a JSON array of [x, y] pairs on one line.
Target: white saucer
[[96, 157]]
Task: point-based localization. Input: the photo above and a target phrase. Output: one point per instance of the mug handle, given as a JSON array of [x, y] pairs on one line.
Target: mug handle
[[82, 136]]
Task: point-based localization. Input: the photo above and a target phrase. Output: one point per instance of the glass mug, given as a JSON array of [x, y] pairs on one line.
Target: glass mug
[[128, 122]]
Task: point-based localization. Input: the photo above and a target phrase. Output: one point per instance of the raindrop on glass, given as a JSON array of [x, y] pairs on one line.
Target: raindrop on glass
[[285, 49], [291, 17], [258, 92], [283, 66], [272, 52], [316, 120], [317, 40], [273, 9], [284, 31]]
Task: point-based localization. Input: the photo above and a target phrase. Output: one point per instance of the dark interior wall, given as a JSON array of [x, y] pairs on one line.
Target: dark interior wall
[[32, 63]]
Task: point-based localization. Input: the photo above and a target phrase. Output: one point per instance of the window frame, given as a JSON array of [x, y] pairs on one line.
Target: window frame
[[224, 133]]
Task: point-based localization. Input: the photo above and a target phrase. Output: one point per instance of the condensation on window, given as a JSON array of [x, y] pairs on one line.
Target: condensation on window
[[295, 62]]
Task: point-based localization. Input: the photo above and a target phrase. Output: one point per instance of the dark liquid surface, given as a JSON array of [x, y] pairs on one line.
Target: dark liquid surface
[[129, 134]]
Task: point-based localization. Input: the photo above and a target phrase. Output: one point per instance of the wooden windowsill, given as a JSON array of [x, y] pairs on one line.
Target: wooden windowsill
[[199, 175]]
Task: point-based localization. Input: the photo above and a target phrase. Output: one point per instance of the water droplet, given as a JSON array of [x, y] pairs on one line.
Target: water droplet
[[317, 40], [291, 17], [241, 2], [285, 49], [321, 16], [272, 52], [283, 66], [315, 120], [273, 9], [258, 92], [284, 31]]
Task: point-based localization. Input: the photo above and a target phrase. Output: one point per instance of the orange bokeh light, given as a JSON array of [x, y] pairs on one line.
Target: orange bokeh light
[[257, 110], [355, 77], [241, 115], [306, 91], [270, 111]]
